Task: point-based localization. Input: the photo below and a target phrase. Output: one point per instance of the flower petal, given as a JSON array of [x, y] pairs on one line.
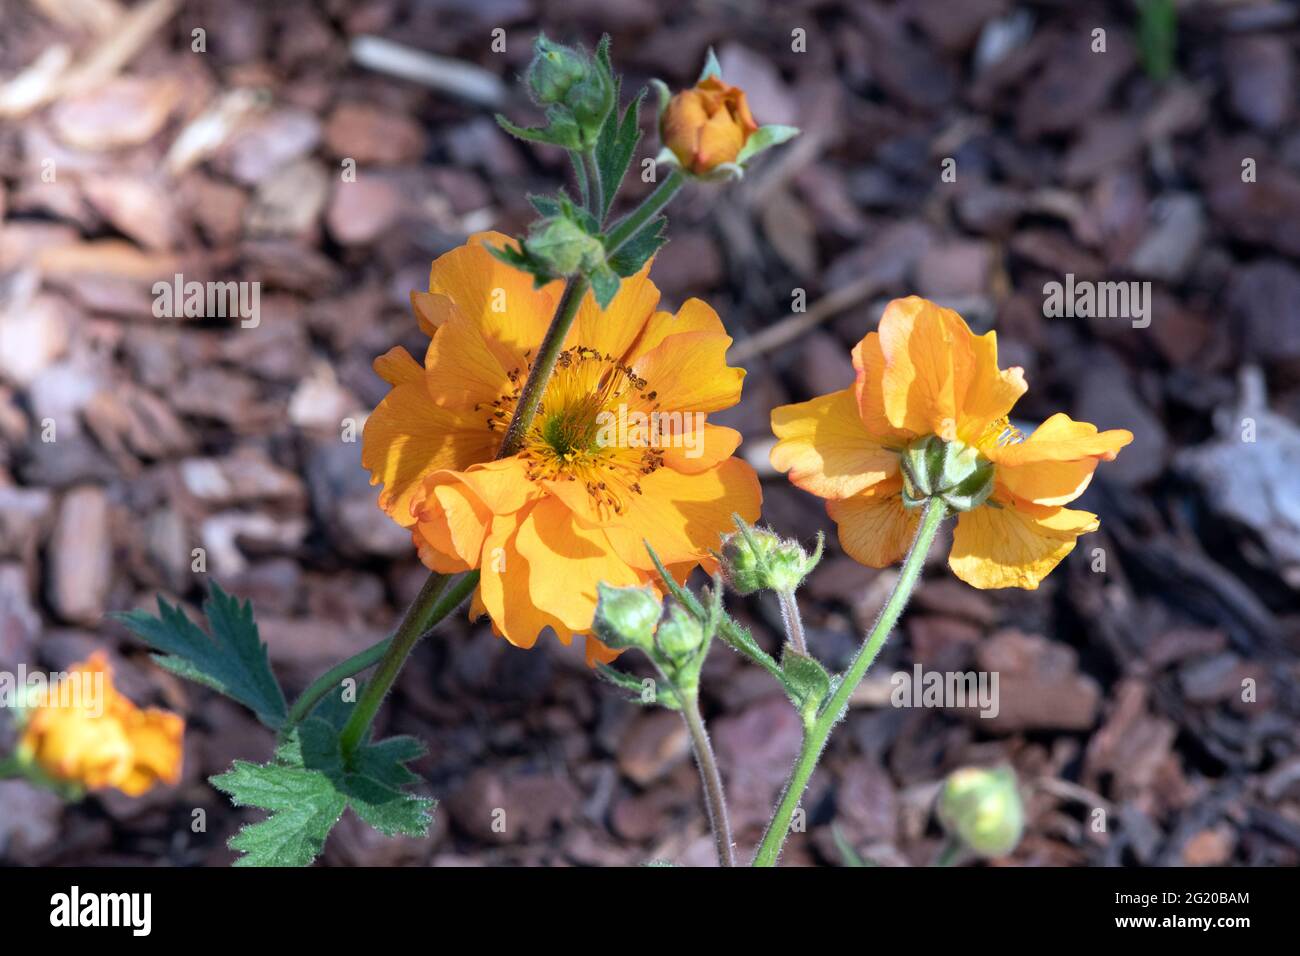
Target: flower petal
[[874, 527], [868, 387], [695, 450], [825, 448], [1055, 464], [695, 315], [688, 372], [571, 560], [992, 391], [929, 364], [683, 516], [1014, 547], [504, 588], [451, 523], [612, 330]]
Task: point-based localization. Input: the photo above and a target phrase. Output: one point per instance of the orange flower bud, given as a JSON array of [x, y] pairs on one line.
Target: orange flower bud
[[707, 125], [87, 733]]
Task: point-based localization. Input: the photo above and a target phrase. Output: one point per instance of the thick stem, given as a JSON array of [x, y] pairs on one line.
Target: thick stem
[[792, 621], [435, 601], [322, 685], [547, 353], [815, 737], [714, 800], [628, 226]]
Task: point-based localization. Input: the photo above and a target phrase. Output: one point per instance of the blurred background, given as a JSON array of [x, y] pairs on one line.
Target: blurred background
[[128, 154]]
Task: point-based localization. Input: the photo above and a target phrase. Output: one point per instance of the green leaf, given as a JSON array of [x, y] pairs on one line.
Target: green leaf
[[308, 786], [524, 262], [614, 150], [643, 244], [304, 807], [562, 137], [765, 137], [604, 284], [232, 660], [635, 686]]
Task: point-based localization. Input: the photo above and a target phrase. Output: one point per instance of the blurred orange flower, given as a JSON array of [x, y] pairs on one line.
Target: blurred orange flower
[[97, 738], [925, 373], [595, 476], [707, 125]]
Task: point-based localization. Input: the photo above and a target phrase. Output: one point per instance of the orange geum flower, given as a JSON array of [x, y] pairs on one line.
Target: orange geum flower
[[97, 738], [619, 452], [927, 416]]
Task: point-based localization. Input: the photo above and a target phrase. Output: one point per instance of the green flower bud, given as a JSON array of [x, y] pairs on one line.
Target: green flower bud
[[755, 559], [680, 635], [591, 99], [626, 617], [951, 470], [982, 809], [563, 246], [554, 70]]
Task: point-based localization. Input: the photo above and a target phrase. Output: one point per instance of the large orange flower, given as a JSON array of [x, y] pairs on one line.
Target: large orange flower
[[617, 455], [85, 732], [924, 373]]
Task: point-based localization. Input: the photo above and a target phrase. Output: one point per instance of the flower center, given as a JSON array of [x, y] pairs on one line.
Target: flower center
[[576, 434]]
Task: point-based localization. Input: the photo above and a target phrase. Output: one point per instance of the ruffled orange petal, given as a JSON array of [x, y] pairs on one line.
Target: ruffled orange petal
[[683, 516], [451, 523], [504, 587], [874, 527], [499, 299], [868, 388], [929, 365], [598, 653], [157, 747], [1014, 546], [575, 559], [612, 330], [688, 372], [695, 315], [992, 391], [697, 450], [408, 437], [825, 448], [1055, 464]]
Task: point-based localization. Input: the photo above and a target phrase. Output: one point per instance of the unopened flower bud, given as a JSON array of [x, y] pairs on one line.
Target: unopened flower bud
[[553, 71], [982, 809], [755, 559], [626, 617], [950, 470], [563, 246], [707, 125], [680, 635]]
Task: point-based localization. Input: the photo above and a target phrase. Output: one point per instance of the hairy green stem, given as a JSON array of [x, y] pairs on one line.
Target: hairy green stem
[[322, 685], [440, 595], [714, 800], [814, 741], [629, 225], [793, 622]]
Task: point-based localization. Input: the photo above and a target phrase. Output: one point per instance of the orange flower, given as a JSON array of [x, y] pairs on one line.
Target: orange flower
[[924, 373], [87, 733], [707, 125], [589, 486]]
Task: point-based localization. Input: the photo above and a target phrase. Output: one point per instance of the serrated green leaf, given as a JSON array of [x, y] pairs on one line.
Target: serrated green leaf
[[615, 148], [231, 660], [305, 806], [308, 786], [538, 134], [636, 252], [604, 285]]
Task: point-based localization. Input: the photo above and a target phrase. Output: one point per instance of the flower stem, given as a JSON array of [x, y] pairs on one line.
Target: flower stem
[[792, 621], [440, 596], [628, 226], [714, 800], [547, 354], [322, 685], [815, 736]]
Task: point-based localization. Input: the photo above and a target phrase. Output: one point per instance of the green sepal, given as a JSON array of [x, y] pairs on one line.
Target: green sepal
[[665, 696], [231, 660], [711, 67], [806, 681], [764, 138]]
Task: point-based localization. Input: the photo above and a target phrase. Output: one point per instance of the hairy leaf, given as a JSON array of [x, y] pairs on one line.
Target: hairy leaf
[[232, 659]]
